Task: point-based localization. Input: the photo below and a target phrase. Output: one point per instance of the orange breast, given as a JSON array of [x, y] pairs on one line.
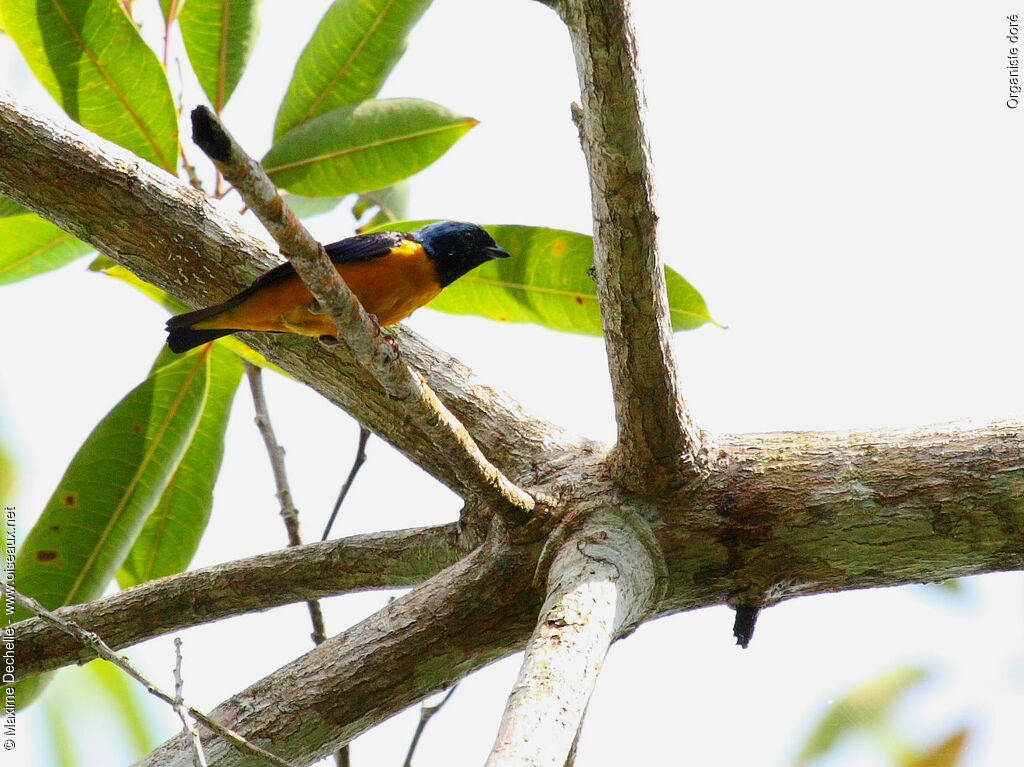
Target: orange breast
[[390, 287]]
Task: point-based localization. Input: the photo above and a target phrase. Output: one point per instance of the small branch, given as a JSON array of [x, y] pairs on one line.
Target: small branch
[[471, 614], [174, 237], [289, 513], [658, 444], [426, 713], [359, 563], [103, 650], [357, 464], [182, 710], [356, 330], [603, 580]]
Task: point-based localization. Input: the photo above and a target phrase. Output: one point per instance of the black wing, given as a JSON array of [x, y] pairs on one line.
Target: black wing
[[362, 247]]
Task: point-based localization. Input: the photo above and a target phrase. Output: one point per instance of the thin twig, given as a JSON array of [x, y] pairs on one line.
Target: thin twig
[[289, 513], [426, 712], [179, 706], [357, 463], [284, 494], [478, 476], [103, 650]]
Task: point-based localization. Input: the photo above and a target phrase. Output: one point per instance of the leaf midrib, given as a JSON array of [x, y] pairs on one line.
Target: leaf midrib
[[561, 292], [58, 6], [372, 145], [147, 457]]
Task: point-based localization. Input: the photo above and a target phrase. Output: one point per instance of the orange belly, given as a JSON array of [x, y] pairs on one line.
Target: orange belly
[[390, 287]]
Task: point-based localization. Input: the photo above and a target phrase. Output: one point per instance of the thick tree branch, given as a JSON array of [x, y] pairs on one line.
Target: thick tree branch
[[658, 444], [471, 614], [783, 515], [603, 580], [793, 513], [173, 236], [355, 330], [346, 565]]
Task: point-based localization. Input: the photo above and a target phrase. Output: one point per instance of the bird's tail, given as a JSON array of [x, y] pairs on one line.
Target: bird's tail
[[182, 339], [181, 336]]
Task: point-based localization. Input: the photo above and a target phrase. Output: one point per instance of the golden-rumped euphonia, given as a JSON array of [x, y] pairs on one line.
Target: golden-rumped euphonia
[[391, 273]]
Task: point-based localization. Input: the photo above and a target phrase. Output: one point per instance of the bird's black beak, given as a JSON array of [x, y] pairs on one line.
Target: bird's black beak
[[497, 252]]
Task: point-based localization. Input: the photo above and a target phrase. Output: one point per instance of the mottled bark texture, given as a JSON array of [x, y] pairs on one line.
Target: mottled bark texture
[[739, 519], [658, 443]]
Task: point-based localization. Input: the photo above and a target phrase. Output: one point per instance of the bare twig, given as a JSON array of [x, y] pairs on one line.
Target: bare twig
[[289, 513], [358, 563], [103, 650], [179, 707], [357, 463], [426, 713], [658, 444], [174, 237], [604, 579], [476, 473]]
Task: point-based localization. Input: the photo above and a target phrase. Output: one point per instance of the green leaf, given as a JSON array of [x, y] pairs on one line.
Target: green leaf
[[171, 535], [391, 203], [112, 484], [90, 57], [219, 36], [351, 53], [861, 708], [546, 283], [9, 207], [107, 266], [363, 146], [31, 245]]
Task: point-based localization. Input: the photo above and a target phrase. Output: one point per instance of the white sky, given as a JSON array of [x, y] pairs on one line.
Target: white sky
[[843, 184]]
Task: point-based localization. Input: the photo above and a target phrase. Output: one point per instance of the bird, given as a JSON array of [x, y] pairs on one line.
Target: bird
[[391, 273]]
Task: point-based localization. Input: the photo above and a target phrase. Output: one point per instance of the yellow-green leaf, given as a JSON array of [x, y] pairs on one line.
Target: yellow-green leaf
[[111, 486], [862, 707], [219, 36], [31, 245], [89, 55], [546, 282], [352, 51], [171, 535], [363, 146]]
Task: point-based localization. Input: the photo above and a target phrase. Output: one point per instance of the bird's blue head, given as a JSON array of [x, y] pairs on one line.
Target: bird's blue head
[[457, 247]]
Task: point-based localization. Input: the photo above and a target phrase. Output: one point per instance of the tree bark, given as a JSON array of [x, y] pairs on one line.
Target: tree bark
[[740, 519], [603, 581], [658, 443]]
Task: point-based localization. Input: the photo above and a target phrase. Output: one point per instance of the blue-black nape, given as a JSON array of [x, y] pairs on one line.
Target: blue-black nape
[[457, 247]]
